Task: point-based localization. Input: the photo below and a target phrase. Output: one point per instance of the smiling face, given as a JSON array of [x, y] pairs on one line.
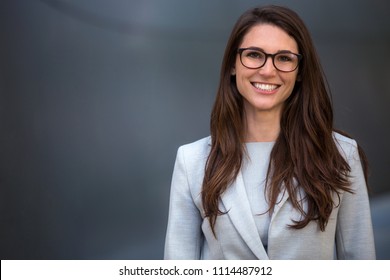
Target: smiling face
[[265, 89]]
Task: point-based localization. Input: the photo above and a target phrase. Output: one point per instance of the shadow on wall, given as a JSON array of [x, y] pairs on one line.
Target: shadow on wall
[[380, 209]]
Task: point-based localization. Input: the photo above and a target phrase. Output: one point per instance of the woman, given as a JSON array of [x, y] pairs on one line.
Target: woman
[[274, 180]]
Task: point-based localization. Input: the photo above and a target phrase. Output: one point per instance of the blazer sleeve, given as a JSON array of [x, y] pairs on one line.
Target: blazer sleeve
[[184, 237], [354, 232]]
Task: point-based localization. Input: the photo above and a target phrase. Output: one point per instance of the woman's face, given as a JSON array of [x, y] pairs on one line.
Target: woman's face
[[265, 89]]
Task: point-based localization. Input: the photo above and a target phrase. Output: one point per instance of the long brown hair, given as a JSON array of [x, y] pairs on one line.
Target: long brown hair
[[304, 153]]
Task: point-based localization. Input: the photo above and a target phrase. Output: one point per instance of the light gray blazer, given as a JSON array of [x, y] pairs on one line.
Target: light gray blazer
[[348, 234]]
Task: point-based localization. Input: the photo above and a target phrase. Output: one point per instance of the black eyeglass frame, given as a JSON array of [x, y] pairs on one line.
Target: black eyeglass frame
[[241, 50]]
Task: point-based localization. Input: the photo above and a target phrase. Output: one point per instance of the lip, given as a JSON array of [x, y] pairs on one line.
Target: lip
[[265, 88]]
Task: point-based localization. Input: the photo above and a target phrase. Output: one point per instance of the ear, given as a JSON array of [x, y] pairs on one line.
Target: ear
[[233, 71]]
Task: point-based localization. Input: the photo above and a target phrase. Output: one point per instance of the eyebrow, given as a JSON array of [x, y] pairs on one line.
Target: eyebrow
[[260, 49]]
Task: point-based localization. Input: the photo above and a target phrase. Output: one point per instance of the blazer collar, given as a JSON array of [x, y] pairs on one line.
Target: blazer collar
[[236, 202], [282, 198]]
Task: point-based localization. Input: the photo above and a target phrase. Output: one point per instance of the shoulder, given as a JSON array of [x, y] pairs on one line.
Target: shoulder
[[347, 146], [199, 148], [192, 159]]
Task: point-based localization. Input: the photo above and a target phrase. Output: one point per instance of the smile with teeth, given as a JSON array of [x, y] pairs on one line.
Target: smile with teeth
[[265, 87]]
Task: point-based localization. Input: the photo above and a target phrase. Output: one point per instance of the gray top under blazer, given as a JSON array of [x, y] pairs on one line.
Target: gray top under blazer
[[348, 234]]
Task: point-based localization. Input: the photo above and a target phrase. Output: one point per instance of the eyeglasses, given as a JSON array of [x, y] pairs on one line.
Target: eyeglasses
[[254, 58]]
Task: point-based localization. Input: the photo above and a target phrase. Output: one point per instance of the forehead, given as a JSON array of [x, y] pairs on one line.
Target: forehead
[[270, 38]]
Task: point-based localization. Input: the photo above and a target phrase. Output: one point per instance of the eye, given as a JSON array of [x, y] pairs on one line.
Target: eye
[[285, 57], [254, 54]]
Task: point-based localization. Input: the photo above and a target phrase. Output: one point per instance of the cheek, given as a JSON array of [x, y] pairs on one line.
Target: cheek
[[241, 82], [289, 80], [242, 76]]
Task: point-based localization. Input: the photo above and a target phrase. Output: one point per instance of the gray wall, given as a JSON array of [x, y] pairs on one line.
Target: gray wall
[[96, 96]]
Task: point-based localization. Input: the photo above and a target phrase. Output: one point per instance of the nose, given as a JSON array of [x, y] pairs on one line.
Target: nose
[[268, 68]]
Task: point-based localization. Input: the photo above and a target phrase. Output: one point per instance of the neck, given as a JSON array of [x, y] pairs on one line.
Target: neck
[[262, 126]]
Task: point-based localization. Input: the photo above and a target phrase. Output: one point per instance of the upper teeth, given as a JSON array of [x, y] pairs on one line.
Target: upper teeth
[[266, 87]]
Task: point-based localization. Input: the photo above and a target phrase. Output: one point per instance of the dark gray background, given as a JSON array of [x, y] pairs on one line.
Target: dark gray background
[[96, 96]]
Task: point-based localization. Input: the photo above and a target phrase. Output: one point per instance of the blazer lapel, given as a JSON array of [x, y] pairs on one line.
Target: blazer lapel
[[282, 198], [235, 201]]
